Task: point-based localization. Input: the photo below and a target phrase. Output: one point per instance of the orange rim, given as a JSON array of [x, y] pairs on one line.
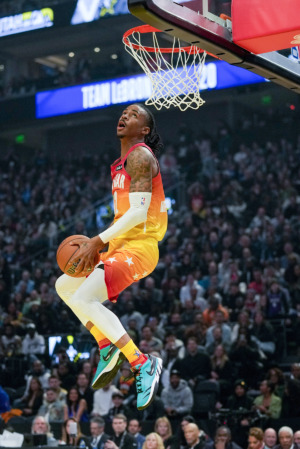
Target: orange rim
[[144, 29]]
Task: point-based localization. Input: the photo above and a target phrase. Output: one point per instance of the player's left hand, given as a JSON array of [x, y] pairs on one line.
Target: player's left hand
[[87, 253]]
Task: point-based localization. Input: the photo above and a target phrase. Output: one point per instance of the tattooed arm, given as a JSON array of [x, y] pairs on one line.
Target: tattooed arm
[[140, 166]]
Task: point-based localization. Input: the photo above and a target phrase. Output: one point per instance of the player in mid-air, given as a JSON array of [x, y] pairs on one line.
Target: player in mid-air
[[140, 222]]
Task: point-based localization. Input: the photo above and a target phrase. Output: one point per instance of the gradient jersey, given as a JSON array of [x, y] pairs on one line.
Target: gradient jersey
[[156, 224], [134, 254]]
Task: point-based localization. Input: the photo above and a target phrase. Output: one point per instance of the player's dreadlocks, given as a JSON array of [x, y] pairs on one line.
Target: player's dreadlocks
[[153, 139]]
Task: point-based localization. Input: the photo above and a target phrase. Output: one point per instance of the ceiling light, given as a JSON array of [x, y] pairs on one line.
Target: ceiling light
[[114, 56], [71, 54], [96, 49], [1, 67]]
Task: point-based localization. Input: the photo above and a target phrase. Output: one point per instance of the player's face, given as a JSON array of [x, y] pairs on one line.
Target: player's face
[[254, 443], [132, 122]]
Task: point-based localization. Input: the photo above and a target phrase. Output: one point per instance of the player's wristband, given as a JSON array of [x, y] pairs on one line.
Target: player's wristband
[[136, 214]]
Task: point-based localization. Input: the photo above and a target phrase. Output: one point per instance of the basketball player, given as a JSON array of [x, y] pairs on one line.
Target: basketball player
[[140, 223]]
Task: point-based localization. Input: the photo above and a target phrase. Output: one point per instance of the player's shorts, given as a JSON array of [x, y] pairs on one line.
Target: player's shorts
[[127, 262]]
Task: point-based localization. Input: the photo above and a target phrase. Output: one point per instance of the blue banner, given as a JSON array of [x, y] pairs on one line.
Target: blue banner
[[69, 100]]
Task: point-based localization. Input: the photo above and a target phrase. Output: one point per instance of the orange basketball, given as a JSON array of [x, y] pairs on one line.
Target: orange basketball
[[65, 252]]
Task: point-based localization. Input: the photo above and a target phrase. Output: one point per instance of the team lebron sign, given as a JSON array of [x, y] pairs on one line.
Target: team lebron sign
[[27, 21]]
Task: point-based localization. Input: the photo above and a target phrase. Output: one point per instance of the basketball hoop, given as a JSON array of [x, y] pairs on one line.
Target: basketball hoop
[[174, 72]]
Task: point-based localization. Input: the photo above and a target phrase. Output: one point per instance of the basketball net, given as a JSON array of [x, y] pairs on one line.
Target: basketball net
[[174, 72]]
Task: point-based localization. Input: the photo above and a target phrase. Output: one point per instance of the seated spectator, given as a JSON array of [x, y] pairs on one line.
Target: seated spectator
[[219, 320], [291, 399], [134, 428], [263, 334], [195, 365], [10, 343], [267, 403], [54, 383], [32, 401], [71, 434], [240, 399], [195, 438], [185, 292], [180, 430], [65, 375], [221, 371], [98, 436], [38, 370], [40, 426], [255, 438], [217, 340], [85, 391], [120, 438], [222, 440], [245, 358], [178, 397], [75, 407], [118, 406], [52, 408], [33, 343], [277, 305], [163, 428], [155, 344], [276, 376], [197, 330], [285, 437], [153, 441], [210, 311], [270, 438], [103, 400], [297, 437], [243, 322]]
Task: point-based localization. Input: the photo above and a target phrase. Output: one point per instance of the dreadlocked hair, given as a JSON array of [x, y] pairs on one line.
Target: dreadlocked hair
[[153, 139]]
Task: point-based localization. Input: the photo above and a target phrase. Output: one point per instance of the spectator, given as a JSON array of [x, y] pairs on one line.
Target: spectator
[[297, 437], [103, 400], [163, 428], [285, 437], [219, 320], [33, 343], [291, 399], [221, 371], [153, 441], [134, 428], [52, 408], [263, 334], [54, 383], [195, 365], [214, 306], [71, 434], [256, 438], [10, 343], [194, 437], [118, 406], [178, 397], [98, 436], [39, 371], [75, 407], [276, 376], [120, 439], [222, 440], [85, 391], [32, 401], [40, 426], [240, 399], [270, 438], [267, 403]]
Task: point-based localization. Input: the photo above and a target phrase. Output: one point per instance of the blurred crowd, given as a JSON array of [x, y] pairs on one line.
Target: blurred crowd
[[222, 308]]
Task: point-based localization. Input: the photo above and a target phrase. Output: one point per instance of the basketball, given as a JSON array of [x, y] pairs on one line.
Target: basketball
[[65, 252]]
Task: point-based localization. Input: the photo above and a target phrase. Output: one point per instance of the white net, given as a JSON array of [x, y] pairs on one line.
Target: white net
[[174, 73]]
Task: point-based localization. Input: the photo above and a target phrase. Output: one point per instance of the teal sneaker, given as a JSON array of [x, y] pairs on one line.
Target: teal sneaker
[[147, 380], [110, 360]]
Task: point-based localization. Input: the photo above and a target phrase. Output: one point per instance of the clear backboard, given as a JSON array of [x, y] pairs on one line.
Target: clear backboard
[[207, 24]]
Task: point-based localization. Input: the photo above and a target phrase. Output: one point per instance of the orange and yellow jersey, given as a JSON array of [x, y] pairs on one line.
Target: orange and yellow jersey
[[157, 218]]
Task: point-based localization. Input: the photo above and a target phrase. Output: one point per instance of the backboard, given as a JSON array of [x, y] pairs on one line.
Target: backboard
[[204, 23]]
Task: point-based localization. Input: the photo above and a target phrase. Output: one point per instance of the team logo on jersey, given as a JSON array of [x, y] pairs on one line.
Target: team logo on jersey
[[143, 201], [119, 167]]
